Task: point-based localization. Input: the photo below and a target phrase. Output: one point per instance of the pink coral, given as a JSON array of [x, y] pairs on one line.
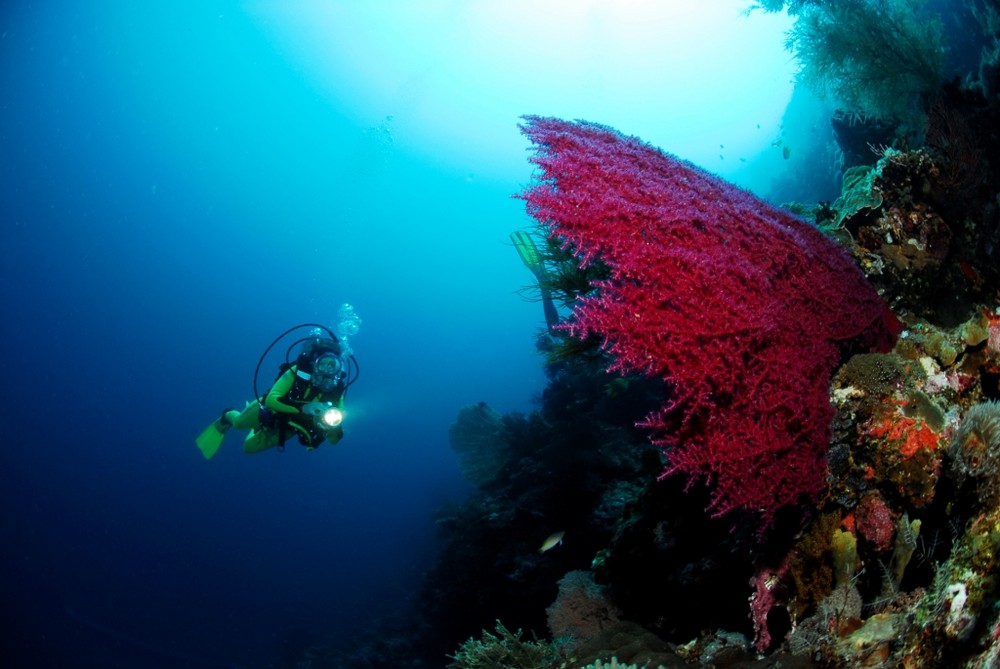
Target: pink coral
[[742, 308], [875, 521], [765, 585]]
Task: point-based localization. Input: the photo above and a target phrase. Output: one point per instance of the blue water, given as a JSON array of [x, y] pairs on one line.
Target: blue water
[[166, 214], [181, 183]]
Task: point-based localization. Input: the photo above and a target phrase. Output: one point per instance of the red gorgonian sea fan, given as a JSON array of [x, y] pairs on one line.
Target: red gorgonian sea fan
[[742, 308]]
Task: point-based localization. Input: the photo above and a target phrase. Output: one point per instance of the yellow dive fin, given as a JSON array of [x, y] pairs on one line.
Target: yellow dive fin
[[532, 259], [528, 252], [211, 438]]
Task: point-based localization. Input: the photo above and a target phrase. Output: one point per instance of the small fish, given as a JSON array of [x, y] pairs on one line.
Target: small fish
[[786, 151], [553, 541]]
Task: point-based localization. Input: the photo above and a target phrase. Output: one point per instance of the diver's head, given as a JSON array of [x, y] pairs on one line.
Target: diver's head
[[327, 372], [319, 342]]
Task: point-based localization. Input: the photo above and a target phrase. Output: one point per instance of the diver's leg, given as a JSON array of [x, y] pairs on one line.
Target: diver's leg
[[260, 440], [247, 419]]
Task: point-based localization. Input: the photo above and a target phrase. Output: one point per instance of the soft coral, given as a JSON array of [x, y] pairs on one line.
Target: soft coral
[[744, 309]]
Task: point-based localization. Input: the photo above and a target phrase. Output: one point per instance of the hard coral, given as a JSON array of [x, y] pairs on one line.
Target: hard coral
[[503, 650], [742, 308]]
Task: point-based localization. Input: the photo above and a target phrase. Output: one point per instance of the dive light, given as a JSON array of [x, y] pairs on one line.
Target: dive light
[[326, 415]]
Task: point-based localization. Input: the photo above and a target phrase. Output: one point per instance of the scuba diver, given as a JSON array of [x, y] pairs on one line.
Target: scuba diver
[[306, 400]]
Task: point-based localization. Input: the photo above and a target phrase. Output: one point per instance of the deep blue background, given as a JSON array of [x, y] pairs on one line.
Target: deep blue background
[[173, 197]]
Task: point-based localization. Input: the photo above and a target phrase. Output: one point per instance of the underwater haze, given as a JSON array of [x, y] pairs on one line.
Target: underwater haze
[[184, 181]]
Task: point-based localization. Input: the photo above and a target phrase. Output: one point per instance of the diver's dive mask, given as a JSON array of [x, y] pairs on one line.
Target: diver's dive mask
[[327, 372]]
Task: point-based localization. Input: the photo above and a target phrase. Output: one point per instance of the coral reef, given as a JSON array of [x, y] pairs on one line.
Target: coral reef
[[896, 565], [925, 251], [571, 466], [766, 300], [631, 644], [878, 471], [878, 57], [975, 451], [613, 664], [503, 650], [907, 527], [476, 437], [582, 610]]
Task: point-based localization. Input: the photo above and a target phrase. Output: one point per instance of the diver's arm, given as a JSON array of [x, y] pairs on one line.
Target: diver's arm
[[279, 390]]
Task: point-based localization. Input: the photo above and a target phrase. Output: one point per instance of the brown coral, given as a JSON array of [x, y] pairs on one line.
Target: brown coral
[[581, 611]]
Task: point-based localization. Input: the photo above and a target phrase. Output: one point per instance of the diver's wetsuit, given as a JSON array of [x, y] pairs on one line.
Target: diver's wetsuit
[[283, 418]]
